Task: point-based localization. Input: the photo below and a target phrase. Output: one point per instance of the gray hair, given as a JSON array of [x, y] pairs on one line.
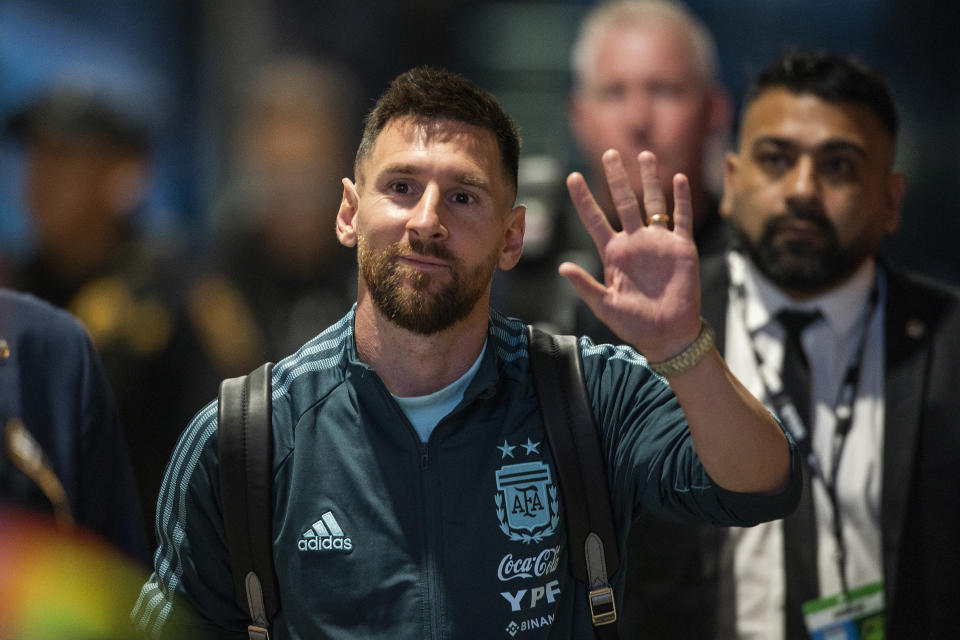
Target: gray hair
[[620, 13]]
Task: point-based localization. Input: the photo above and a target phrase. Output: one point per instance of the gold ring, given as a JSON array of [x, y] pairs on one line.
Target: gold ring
[[659, 219]]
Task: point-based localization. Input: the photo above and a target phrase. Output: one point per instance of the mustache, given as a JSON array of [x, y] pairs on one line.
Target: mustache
[[429, 249], [811, 213]]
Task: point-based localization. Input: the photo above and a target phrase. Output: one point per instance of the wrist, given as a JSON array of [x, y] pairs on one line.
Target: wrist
[[688, 357]]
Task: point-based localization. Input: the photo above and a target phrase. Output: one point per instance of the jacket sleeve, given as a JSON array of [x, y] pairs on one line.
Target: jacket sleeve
[[652, 463], [190, 593]]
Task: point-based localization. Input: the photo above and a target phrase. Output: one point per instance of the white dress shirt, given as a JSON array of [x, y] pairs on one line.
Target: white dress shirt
[[830, 344]]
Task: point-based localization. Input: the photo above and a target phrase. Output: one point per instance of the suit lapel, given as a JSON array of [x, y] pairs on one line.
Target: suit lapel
[[714, 294], [907, 329], [908, 324]]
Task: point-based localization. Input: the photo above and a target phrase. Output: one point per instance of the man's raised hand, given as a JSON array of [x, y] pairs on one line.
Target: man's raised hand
[[650, 296]]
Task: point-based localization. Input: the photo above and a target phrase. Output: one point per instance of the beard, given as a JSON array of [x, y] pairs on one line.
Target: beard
[[417, 301], [802, 265]]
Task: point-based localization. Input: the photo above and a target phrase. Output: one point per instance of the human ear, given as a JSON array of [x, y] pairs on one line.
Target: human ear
[[513, 237], [731, 164], [347, 215], [896, 187]]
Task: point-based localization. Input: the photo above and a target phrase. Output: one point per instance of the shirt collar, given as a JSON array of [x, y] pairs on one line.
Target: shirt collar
[[841, 306]]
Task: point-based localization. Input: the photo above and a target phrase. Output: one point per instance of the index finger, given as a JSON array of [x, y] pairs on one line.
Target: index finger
[[592, 216]]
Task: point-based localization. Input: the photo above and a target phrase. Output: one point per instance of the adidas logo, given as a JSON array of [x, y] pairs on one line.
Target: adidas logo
[[325, 535]]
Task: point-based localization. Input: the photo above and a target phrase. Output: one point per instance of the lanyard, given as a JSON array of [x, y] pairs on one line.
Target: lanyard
[[843, 412]]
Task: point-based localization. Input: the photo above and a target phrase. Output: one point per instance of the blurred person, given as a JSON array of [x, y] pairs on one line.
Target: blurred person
[[87, 167], [645, 77], [63, 450], [72, 540], [274, 242], [867, 386], [86, 172], [393, 427]]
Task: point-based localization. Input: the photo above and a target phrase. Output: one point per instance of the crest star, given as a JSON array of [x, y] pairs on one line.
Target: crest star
[[506, 449], [531, 447]]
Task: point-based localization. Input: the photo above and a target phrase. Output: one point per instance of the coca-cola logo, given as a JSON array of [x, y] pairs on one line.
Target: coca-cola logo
[[542, 564]]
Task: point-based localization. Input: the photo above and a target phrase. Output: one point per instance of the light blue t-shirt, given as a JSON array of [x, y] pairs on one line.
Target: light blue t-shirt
[[424, 412]]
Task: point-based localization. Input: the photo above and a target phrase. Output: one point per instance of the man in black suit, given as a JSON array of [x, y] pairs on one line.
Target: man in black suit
[[811, 191]]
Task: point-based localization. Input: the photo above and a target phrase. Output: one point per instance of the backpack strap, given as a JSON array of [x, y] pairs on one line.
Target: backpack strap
[[245, 451], [575, 444]]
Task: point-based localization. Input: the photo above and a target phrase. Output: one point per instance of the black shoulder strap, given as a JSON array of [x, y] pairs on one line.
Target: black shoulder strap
[[575, 444], [245, 451]]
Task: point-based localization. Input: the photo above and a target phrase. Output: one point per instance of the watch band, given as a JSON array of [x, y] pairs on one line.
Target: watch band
[[689, 357]]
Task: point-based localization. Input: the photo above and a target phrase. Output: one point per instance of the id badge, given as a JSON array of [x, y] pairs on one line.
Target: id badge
[[854, 616]]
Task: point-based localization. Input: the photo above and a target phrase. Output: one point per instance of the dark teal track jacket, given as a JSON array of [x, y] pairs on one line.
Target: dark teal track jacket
[[377, 535]]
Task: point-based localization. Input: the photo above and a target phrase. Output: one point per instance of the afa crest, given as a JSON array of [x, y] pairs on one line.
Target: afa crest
[[527, 504]]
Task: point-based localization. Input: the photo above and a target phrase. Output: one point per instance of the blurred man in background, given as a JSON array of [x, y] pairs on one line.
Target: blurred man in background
[[86, 173], [276, 254], [62, 451], [72, 543], [87, 167], [645, 77]]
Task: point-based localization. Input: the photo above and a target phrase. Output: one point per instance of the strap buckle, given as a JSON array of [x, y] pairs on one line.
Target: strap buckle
[[603, 608], [255, 632]]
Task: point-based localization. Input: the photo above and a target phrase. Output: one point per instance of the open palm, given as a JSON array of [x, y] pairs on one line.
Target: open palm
[[650, 296]]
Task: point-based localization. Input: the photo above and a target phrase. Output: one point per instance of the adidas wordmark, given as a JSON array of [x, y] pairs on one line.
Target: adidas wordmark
[[325, 535]]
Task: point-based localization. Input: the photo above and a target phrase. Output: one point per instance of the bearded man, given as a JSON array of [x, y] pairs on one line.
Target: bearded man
[[394, 428], [811, 191]]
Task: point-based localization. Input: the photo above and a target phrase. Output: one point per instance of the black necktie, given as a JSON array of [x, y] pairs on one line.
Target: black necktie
[[799, 528]]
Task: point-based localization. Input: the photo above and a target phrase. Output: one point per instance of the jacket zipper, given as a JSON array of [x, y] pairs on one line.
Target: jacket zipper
[[431, 547], [431, 538]]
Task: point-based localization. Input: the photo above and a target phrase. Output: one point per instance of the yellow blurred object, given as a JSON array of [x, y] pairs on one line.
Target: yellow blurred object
[[111, 312], [56, 585], [148, 326], [225, 325], [102, 306]]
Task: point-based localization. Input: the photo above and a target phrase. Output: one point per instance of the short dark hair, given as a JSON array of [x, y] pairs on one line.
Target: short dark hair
[[427, 93], [83, 113], [830, 77]]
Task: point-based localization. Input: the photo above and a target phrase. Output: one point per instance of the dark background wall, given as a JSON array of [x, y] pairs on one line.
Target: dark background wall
[[183, 62]]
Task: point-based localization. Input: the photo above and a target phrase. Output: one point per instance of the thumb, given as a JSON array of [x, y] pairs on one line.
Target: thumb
[[584, 284]]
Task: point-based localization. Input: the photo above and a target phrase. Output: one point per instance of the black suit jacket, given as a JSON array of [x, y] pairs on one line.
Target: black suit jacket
[[674, 569]]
